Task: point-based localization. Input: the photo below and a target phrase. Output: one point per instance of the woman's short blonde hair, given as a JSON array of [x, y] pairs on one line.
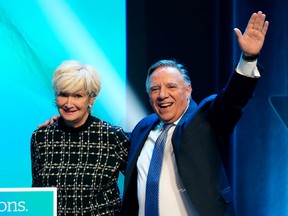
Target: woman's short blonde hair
[[72, 76]]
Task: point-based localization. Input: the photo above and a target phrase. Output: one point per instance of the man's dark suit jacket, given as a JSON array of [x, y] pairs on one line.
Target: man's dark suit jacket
[[198, 148]]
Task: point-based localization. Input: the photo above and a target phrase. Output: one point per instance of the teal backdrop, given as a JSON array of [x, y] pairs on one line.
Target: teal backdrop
[[35, 37]]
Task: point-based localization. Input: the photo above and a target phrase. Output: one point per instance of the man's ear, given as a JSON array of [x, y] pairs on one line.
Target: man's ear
[[189, 91]]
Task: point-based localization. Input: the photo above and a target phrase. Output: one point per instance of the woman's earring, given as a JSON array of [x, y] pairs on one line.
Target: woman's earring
[[89, 108]]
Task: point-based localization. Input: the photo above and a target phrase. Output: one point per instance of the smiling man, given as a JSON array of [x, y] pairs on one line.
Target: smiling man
[[183, 173], [168, 90]]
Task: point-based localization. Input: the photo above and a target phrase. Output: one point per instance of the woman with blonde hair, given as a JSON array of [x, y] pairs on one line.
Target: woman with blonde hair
[[79, 154]]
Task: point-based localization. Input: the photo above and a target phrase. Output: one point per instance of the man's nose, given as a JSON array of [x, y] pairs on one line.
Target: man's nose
[[163, 93]]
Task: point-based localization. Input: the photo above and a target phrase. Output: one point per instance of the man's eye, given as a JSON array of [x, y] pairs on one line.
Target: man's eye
[[154, 89], [171, 87], [78, 96]]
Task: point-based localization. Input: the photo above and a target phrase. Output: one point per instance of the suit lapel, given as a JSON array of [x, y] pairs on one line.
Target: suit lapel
[[138, 139], [176, 139]]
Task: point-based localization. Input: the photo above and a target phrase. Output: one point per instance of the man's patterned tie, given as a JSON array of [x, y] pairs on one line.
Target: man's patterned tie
[[152, 184]]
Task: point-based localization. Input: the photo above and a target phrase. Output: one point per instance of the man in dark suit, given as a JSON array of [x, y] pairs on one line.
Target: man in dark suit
[[193, 179]]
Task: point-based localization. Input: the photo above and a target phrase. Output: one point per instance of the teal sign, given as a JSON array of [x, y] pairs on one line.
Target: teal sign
[[28, 201]]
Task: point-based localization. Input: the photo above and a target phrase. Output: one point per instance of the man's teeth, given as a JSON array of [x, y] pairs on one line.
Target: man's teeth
[[165, 105]]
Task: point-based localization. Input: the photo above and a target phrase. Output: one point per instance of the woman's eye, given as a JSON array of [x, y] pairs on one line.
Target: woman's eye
[[63, 94], [78, 96]]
